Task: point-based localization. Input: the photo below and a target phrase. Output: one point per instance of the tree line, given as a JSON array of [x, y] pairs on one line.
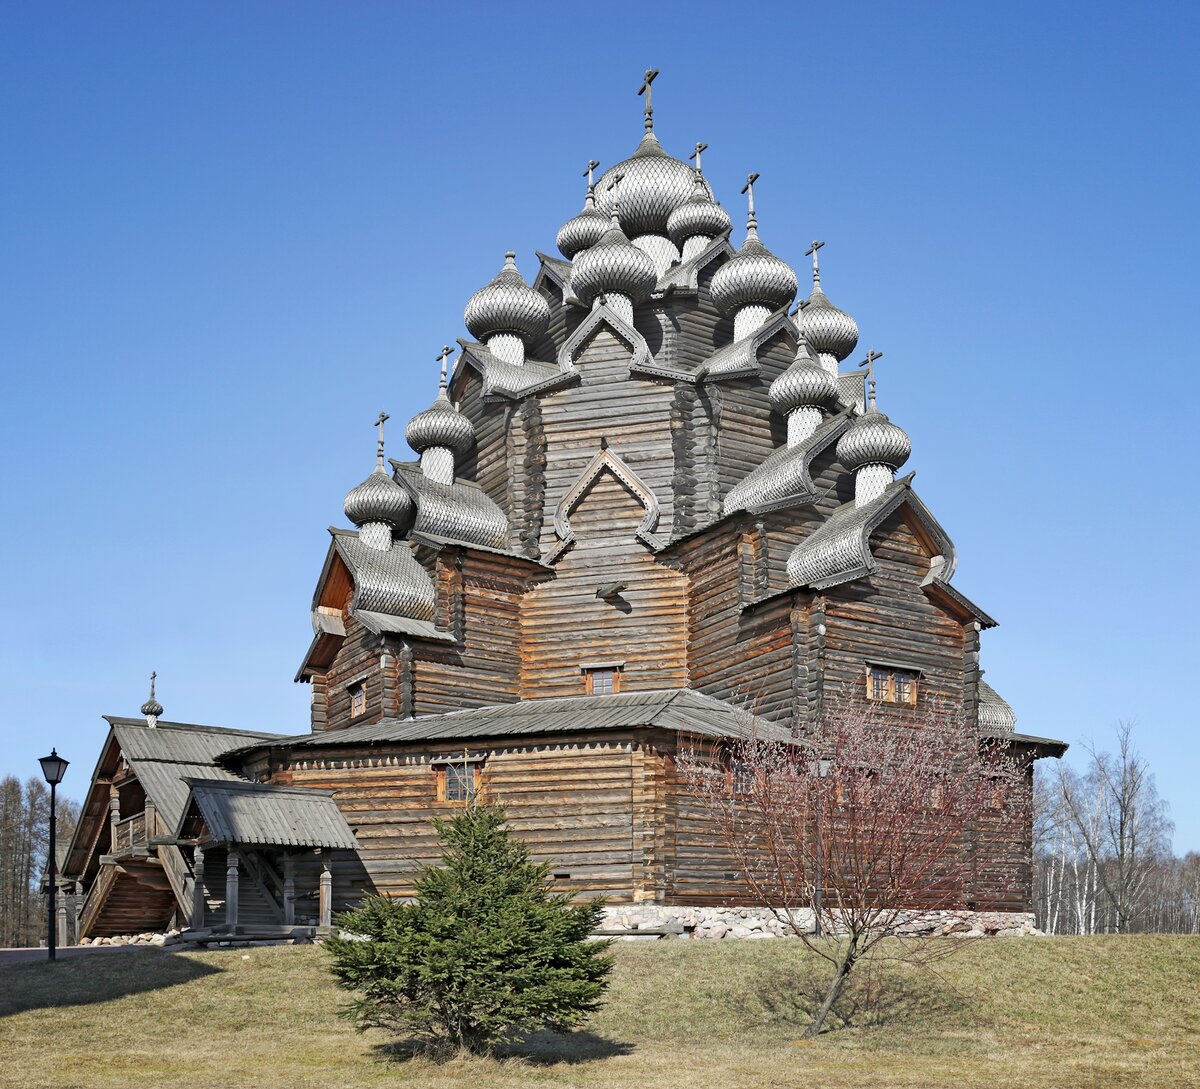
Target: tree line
[[1103, 862], [24, 837]]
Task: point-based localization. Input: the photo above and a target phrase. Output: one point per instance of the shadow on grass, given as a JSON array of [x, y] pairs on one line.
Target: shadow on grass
[[883, 994], [83, 980], [538, 1049]]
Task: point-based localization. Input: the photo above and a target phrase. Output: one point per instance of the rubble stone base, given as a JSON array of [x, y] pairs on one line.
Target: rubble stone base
[[711, 923]]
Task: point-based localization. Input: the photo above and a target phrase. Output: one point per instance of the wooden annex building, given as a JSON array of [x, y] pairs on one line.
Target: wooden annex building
[[649, 507]]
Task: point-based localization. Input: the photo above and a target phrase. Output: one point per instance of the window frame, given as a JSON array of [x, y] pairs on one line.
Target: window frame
[[357, 691], [442, 769], [590, 673], [893, 675]]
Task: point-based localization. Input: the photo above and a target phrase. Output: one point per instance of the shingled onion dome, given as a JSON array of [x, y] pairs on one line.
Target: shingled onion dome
[[754, 283], [874, 447], [653, 185], [832, 333], [507, 314], [441, 434], [801, 392], [152, 709], [699, 219], [378, 506], [584, 230], [615, 270]]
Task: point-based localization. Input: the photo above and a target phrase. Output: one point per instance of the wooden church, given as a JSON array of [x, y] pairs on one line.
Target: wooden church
[[649, 506]]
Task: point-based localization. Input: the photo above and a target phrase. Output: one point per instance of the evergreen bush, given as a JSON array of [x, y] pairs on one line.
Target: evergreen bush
[[486, 953]]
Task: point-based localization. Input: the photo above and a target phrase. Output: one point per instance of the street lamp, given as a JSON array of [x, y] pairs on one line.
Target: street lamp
[[54, 767]]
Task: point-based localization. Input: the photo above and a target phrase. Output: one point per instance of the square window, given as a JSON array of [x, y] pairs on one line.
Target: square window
[[602, 682], [888, 685], [358, 700], [458, 782]]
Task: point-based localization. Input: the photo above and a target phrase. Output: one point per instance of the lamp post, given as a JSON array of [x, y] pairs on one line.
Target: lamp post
[[54, 767]]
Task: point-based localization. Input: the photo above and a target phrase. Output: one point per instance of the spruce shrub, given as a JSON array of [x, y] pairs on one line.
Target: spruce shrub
[[486, 953]]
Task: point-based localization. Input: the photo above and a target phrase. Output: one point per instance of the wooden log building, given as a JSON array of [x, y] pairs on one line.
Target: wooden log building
[[647, 499]]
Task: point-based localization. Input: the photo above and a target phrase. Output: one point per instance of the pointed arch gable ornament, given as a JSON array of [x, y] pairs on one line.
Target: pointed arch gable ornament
[[605, 459], [620, 328]]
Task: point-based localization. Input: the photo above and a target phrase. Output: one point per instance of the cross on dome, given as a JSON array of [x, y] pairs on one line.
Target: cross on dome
[[812, 252], [751, 219], [647, 80], [869, 363], [696, 155]]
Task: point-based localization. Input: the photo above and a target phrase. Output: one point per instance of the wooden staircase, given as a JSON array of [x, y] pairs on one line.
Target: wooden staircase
[[128, 897]]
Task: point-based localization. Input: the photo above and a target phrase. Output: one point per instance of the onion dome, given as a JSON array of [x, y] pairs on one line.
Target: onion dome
[[805, 384], [653, 185], [507, 305], [698, 215], [152, 708], [613, 264], [755, 276], [874, 440], [582, 231], [828, 329], [440, 425], [380, 499]]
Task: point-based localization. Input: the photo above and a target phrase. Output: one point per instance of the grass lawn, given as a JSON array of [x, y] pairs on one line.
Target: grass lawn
[[1019, 1013]]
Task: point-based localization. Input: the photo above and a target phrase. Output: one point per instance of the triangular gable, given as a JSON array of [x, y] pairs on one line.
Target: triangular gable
[[605, 315]]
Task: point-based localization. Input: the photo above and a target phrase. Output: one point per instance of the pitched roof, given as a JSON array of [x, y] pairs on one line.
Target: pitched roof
[[258, 814], [461, 511], [679, 709], [162, 757]]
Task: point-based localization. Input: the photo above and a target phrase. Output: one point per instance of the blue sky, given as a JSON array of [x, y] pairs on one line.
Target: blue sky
[[230, 233]]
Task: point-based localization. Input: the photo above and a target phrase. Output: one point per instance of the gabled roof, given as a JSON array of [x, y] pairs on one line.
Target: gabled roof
[[739, 359], [503, 379], [461, 511], [684, 278], [263, 815], [783, 478], [680, 709], [839, 550], [390, 582]]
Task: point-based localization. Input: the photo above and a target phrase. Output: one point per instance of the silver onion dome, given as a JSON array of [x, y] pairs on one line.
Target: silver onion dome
[[805, 384], [698, 215], [874, 440], [380, 499], [152, 708], [653, 185], [507, 304], [582, 231], [440, 425], [828, 329], [754, 276], [613, 264]]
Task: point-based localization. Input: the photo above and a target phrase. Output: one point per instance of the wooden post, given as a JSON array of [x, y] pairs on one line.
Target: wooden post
[[114, 811], [151, 820], [326, 899], [231, 890], [60, 896], [198, 889], [78, 909], [289, 889]]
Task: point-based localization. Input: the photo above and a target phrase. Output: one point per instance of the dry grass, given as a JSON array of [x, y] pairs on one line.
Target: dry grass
[[1020, 1013]]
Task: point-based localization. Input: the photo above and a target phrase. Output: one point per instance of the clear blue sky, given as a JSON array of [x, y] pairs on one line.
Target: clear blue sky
[[230, 233]]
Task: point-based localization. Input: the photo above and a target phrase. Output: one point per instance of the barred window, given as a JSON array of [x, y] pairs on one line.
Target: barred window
[[358, 699], [741, 776], [602, 682]]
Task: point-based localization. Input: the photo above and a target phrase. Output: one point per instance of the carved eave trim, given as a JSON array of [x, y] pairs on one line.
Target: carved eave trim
[[538, 376], [740, 359], [939, 591], [605, 315], [557, 271], [605, 459]]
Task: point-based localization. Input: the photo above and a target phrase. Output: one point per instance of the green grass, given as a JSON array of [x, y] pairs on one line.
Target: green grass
[[1020, 1013]]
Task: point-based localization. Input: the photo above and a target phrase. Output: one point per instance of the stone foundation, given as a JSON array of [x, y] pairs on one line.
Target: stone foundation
[[653, 920]]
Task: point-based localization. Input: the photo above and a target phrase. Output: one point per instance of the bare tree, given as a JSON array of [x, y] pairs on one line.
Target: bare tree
[[856, 834]]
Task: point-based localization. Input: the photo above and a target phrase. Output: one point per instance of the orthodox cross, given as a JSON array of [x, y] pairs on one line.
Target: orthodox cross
[[592, 164], [442, 357], [612, 185], [383, 418], [645, 89], [153, 677], [869, 363], [812, 252], [748, 189], [696, 155]]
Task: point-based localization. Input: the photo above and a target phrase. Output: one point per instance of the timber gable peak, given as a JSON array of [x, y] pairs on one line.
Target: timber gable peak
[[606, 460]]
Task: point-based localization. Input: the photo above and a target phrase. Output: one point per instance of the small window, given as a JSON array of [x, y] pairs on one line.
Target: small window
[[886, 684], [602, 682], [358, 699], [741, 776], [458, 782]]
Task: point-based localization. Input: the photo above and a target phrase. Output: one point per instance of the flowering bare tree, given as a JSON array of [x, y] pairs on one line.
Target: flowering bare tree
[[859, 832]]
